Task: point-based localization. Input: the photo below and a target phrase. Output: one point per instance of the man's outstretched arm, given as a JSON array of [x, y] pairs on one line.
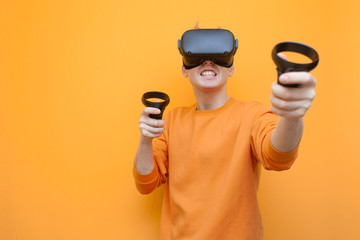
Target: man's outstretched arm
[[291, 104]]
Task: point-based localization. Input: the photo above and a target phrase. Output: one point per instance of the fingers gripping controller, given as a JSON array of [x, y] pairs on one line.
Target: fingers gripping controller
[[159, 104], [284, 66]]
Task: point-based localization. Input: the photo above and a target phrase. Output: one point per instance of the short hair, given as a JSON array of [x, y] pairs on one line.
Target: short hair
[[197, 25]]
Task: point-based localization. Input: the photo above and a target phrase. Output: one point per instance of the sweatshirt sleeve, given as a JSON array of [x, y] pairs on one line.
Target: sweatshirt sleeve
[[271, 159]]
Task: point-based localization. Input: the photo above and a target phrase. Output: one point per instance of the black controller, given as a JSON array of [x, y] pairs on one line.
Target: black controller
[[160, 104], [284, 66]]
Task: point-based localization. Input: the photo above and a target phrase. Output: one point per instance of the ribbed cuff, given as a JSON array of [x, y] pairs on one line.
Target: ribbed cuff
[[273, 153], [148, 178]]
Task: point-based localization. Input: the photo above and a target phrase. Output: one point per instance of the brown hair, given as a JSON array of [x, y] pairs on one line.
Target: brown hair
[[197, 25]]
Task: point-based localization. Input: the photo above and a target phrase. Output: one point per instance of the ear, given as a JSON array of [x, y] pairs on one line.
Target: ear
[[231, 71], [184, 72]]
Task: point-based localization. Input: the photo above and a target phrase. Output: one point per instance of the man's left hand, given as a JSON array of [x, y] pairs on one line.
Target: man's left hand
[[293, 103]]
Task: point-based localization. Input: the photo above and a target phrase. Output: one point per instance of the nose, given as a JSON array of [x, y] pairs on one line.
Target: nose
[[208, 62]]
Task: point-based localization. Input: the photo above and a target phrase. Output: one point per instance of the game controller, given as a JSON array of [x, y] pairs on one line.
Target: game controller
[[156, 104], [284, 66]]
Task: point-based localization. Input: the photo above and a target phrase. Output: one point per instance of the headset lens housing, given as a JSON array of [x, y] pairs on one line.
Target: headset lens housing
[[199, 45]]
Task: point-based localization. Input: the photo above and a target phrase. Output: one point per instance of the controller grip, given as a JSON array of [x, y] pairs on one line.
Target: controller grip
[[284, 66], [160, 105]]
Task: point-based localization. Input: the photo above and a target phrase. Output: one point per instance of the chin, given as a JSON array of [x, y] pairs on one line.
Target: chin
[[215, 83], [210, 87]]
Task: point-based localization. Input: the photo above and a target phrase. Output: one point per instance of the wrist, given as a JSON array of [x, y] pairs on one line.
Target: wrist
[[145, 140], [292, 121]]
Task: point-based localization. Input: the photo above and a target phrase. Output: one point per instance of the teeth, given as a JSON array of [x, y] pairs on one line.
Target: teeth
[[208, 73]]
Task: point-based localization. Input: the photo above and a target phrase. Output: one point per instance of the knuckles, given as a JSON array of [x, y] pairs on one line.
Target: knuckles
[[301, 112], [312, 94], [149, 127], [292, 102]]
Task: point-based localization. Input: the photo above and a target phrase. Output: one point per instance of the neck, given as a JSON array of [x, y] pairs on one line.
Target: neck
[[209, 100]]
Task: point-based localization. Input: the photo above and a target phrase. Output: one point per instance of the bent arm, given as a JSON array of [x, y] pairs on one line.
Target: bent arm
[[149, 129], [144, 159], [146, 172]]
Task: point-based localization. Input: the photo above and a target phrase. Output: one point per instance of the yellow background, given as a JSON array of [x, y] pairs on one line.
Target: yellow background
[[71, 77]]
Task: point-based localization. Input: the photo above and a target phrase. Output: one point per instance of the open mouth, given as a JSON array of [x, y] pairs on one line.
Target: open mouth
[[208, 73]]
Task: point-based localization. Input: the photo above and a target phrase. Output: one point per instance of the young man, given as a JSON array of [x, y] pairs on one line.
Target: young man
[[210, 154]]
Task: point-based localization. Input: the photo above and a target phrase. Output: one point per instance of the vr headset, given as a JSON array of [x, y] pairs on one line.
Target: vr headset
[[200, 45]]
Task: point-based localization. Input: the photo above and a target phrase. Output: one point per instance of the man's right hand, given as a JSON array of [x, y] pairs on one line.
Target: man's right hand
[[150, 128]]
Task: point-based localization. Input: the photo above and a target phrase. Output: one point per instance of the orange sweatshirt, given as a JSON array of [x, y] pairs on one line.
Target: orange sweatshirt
[[210, 162]]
